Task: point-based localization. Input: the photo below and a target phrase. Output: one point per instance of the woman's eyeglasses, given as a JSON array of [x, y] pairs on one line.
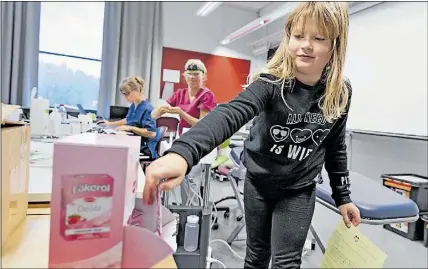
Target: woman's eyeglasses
[[193, 74]]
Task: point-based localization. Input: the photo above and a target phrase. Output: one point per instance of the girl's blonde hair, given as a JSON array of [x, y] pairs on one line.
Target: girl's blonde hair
[[132, 84], [333, 21]]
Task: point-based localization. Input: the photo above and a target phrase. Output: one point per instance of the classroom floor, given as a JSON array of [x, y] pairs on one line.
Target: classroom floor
[[401, 252]]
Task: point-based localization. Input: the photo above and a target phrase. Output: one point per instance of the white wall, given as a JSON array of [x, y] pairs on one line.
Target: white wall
[[387, 65], [386, 62], [184, 30]]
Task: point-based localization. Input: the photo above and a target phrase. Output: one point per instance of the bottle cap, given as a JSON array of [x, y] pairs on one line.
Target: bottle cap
[[192, 219]]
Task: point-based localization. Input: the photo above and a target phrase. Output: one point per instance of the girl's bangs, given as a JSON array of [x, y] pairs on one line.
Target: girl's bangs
[[317, 13]]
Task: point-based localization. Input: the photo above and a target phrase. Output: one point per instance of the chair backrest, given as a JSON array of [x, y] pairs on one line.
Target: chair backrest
[[170, 122], [172, 125]]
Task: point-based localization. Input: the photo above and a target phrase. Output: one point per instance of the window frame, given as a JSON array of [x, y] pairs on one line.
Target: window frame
[[69, 56]]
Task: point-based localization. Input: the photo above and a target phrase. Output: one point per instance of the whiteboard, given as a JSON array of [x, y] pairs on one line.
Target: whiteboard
[[387, 65]]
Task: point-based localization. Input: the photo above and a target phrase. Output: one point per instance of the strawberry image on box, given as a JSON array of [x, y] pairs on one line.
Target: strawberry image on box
[[87, 202]]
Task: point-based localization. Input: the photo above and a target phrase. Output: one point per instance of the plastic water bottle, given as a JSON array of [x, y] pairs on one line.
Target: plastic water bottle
[[191, 233], [63, 112]]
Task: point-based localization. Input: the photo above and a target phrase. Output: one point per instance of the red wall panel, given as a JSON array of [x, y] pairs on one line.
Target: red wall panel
[[225, 75]]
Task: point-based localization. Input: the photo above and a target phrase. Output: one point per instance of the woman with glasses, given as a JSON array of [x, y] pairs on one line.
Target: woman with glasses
[[190, 104]]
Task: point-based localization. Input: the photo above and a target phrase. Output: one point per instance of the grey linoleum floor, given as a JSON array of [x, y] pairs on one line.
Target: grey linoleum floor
[[402, 253]]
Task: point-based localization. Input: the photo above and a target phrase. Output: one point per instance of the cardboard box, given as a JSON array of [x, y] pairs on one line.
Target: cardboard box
[[149, 217], [93, 195], [143, 249], [15, 148]]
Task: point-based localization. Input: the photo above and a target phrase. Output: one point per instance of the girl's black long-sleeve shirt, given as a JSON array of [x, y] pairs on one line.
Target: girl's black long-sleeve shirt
[[289, 142]]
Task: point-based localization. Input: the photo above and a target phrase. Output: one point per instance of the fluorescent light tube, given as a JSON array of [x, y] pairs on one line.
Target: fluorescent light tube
[[283, 11], [244, 31], [207, 8]]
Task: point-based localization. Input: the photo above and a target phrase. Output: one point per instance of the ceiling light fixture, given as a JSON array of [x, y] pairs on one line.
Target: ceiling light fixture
[[244, 30], [283, 11], [207, 8], [260, 22]]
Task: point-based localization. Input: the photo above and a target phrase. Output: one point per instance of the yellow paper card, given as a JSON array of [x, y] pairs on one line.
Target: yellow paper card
[[349, 248]]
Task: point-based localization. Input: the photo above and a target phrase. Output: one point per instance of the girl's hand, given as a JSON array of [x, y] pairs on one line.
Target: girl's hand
[[350, 214], [171, 167]]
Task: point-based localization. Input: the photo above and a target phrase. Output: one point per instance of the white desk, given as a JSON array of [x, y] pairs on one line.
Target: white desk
[[40, 173], [40, 178]]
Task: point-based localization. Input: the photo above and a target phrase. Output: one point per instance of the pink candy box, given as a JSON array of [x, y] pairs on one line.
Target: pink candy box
[[93, 195]]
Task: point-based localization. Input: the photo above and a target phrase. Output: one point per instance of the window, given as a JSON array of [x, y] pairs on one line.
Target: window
[[70, 50]]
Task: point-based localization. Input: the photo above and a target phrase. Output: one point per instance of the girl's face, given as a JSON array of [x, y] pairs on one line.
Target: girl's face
[[194, 79], [131, 96], [310, 50]]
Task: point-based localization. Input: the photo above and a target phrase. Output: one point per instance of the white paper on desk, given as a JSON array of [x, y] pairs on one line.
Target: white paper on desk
[[171, 75]]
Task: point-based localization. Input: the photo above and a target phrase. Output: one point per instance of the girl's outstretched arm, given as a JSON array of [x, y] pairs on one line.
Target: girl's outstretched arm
[[222, 122]]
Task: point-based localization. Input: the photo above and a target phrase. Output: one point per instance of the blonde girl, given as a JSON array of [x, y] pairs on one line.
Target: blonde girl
[[301, 101]]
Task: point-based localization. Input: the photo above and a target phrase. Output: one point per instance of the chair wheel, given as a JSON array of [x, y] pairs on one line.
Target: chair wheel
[[215, 226], [226, 214], [239, 218]]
